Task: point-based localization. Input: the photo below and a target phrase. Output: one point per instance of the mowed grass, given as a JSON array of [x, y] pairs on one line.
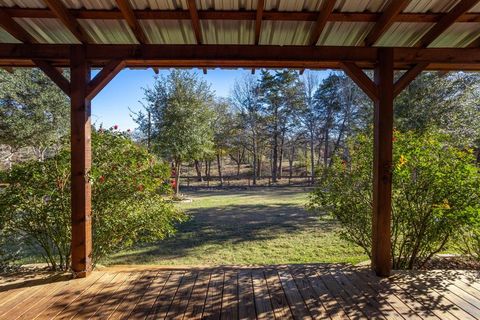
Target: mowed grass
[[247, 227]]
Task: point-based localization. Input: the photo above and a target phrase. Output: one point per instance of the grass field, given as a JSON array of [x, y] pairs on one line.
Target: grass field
[[247, 227]]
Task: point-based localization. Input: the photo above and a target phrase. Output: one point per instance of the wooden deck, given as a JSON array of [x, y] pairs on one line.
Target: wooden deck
[[280, 292]]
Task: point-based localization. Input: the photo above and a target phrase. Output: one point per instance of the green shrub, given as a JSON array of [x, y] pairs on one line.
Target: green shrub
[[469, 240], [436, 192], [128, 200]]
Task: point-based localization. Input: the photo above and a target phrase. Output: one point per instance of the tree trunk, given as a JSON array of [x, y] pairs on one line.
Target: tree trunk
[[259, 167], [280, 160], [290, 160], [254, 166], [337, 142], [219, 165], [312, 157], [325, 155], [239, 163], [177, 177], [275, 157], [199, 171]]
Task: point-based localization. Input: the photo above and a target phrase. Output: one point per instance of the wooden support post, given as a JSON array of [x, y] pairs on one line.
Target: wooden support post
[[80, 164], [382, 164]]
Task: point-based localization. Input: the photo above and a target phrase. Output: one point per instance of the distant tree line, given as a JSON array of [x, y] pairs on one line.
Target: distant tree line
[[280, 116]]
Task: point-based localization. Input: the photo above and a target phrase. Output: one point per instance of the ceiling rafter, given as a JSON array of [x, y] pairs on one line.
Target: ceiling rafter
[[387, 18], [62, 13], [408, 77], [322, 20], [12, 27], [129, 15], [240, 56], [258, 20], [445, 22], [361, 79], [54, 74], [270, 15], [104, 77], [17, 31], [197, 28]]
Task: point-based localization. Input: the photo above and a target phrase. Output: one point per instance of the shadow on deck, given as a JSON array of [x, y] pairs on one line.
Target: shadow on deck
[[320, 291]]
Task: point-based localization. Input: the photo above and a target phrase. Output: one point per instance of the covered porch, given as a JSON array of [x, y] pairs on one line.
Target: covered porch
[[320, 291]]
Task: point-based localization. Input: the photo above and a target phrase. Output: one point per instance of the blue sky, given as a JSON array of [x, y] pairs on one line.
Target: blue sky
[[113, 104]]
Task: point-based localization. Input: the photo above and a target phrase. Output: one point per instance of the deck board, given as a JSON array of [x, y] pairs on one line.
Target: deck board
[[273, 292]]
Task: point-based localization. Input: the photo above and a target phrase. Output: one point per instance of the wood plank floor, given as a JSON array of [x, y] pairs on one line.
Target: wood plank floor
[[275, 292]]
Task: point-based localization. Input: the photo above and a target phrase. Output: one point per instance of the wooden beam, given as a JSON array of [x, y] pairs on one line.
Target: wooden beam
[[62, 13], [253, 71], [408, 77], [81, 160], [301, 71], [205, 71], [258, 20], [445, 22], [156, 70], [240, 56], [197, 29], [387, 18], [104, 77], [9, 69], [129, 15], [361, 79], [55, 75], [382, 165], [12, 27], [148, 14], [322, 20], [475, 43]]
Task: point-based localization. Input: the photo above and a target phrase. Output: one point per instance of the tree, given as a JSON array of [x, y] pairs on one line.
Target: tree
[[181, 118], [224, 127], [34, 112], [310, 118], [449, 103], [245, 98], [281, 94]]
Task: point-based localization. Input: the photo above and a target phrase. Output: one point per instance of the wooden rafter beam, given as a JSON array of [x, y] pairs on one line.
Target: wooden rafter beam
[[387, 18], [205, 71], [475, 43], [129, 15], [322, 20], [197, 28], [445, 22], [258, 20], [54, 74], [104, 77], [62, 13], [361, 79], [12, 27], [408, 77], [8, 69], [246, 56], [17, 31], [428, 17]]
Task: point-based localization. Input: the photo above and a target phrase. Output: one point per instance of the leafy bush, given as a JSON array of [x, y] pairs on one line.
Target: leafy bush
[[436, 192], [128, 202], [469, 239]]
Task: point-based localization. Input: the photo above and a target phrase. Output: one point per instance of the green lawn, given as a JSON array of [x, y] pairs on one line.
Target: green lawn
[[238, 227]]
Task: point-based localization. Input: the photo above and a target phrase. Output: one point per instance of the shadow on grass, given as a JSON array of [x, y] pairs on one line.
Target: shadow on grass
[[232, 224]]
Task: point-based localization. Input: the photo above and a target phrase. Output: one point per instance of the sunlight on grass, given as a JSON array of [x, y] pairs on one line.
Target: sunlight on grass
[[238, 227]]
